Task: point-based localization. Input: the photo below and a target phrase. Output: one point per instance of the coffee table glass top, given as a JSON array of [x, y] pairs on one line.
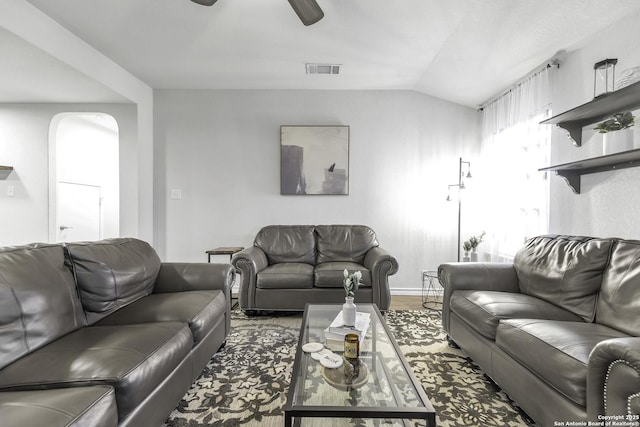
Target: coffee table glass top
[[385, 388]]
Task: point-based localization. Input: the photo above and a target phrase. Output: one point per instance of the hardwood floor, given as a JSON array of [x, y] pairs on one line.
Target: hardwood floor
[[405, 302]]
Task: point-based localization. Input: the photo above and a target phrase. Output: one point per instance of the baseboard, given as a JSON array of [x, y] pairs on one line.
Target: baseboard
[[400, 292], [414, 291], [394, 291], [406, 291]]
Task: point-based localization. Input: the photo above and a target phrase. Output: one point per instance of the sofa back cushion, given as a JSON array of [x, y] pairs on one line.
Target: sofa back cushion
[[287, 243], [347, 243], [563, 270], [38, 300], [112, 273], [619, 298]]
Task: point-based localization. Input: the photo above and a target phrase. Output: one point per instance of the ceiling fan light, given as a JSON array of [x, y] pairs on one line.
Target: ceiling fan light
[[205, 2], [307, 10]]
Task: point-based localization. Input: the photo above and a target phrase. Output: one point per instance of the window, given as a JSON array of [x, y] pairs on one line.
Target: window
[[515, 196]]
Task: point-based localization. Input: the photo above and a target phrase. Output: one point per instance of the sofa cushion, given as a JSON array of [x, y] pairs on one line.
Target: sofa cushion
[[290, 275], [556, 351], [64, 407], [201, 310], [287, 243], [349, 243], [483, 310], [331, 274], [619, 298], [112, 273], [133, 359], [38, 299], [566, 271]]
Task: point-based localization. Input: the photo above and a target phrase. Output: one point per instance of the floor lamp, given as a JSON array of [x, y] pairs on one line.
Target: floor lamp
[[460, 185]]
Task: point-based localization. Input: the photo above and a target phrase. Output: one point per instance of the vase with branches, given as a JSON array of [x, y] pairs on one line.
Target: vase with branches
[[471, 245], [351, 283]]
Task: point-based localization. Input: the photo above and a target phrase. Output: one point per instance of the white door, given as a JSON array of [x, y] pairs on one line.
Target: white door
[[78, 212]]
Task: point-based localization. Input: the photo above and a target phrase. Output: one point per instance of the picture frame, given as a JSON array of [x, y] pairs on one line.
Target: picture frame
[[314, 160]]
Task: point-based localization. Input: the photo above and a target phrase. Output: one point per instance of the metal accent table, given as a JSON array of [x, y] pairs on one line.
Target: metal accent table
[[431, 289], [391, 392]]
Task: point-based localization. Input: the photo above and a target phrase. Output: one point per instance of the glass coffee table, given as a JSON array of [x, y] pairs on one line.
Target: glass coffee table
[[385, 393]]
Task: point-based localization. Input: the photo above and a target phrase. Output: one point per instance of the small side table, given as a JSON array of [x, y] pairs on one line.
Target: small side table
[[223, 250], [431, 290], [226, 250]]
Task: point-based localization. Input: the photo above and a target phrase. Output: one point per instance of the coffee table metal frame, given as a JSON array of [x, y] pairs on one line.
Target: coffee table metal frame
[[293, 413]]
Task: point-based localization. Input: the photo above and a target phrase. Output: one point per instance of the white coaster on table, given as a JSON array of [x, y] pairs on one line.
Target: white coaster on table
[[312, 347], [331, 361], [320, 354]]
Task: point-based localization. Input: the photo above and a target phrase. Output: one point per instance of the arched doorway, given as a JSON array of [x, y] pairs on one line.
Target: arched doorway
[[84, 201]]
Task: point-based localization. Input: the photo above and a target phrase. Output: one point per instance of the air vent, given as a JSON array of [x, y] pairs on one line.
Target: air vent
[[323, 68]]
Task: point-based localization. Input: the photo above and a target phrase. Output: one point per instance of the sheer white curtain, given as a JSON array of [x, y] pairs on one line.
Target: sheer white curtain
[[514, 195]]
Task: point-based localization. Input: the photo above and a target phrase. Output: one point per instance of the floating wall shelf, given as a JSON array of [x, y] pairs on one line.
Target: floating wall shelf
[[572, 172], [602, 107], [5, 171]]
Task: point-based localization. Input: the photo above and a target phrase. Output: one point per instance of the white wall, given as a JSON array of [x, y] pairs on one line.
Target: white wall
[[609, 201], [222, 150], [24, 142]]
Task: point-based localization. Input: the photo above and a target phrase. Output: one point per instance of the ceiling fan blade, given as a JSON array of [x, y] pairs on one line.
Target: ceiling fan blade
[[307, 10], [205, 2]]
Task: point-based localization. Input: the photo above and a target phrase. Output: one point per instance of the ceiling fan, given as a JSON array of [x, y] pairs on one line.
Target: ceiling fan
[[307, 10]]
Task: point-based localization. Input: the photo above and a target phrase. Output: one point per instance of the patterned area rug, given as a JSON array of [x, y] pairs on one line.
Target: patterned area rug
[[246, 383]]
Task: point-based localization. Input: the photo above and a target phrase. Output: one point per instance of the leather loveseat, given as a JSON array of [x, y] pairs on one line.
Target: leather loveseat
[[104, 333], [289, 266], [558, 329]]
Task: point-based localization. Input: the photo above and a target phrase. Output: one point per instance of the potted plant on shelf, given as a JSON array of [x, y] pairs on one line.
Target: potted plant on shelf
[[351, 283], [619, 121], [620, 141]]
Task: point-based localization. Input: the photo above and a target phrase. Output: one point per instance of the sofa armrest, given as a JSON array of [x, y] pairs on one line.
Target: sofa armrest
[[480, 276], [191, 276], [613, 378], [249, 262], [381, 264]]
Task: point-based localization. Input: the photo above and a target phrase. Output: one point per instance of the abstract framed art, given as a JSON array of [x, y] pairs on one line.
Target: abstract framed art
[[314, 160]]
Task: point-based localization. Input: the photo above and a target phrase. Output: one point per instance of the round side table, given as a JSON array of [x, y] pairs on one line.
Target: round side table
[[431, 290]]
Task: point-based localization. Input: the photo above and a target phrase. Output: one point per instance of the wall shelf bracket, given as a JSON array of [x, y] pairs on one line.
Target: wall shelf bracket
[[572, 178], [573, 131]]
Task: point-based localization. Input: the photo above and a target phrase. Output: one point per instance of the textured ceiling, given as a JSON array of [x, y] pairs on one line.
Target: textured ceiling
[[464, 51]]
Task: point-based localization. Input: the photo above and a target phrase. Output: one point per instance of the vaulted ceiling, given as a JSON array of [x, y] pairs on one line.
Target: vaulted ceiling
[[464, 51]]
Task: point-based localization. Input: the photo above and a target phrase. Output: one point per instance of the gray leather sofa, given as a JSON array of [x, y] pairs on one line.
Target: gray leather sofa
[[558, 329], [104, 333], [289, 266]]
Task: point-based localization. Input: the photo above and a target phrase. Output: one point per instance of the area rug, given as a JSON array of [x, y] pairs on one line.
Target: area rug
[[246, 383]]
